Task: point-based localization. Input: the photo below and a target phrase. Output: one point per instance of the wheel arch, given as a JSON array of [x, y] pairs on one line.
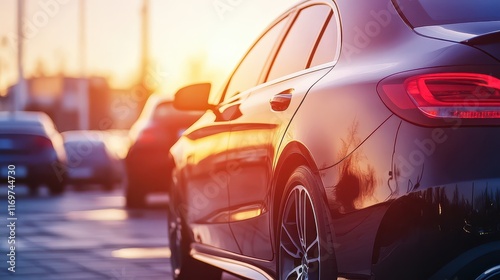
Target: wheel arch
[[292, 156], [295, 155]]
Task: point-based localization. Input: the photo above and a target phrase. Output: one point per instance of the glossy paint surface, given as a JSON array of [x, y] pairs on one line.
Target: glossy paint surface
[[402, 189]]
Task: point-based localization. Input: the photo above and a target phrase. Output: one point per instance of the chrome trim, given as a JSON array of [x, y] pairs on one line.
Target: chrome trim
[[233, 266]]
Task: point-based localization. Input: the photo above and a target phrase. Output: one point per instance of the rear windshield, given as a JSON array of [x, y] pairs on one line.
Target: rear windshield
[[438, 12]]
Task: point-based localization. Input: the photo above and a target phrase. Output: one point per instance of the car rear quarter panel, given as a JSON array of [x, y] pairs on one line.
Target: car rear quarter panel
[[448, 198], [349, 132]]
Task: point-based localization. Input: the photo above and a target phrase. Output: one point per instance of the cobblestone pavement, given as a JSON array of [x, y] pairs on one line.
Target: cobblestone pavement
[[84, 235]]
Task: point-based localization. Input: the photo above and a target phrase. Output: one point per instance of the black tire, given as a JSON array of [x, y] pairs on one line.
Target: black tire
[[135, 198], [56, 188], [305, 244], [33, 189], [185, 267], [484, 268], [107, 187]]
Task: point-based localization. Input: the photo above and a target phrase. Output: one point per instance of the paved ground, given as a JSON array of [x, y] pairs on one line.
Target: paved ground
[[84, 235]]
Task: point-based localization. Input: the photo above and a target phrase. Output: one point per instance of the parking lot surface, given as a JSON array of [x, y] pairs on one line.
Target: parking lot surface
[[83, 235]]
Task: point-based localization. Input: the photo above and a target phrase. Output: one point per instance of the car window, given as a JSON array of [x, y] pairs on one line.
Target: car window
[[294, 54], [147, 110], [162, 112], [248, 72], [327, 49]]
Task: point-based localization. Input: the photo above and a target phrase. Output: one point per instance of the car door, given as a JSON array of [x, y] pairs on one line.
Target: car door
[[263, 118], [204, 167]]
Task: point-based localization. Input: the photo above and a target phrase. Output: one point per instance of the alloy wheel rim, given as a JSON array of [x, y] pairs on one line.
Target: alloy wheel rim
[[300, 256], [490, 274]]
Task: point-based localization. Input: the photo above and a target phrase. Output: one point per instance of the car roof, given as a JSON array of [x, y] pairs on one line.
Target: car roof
[[94, 136], [21, 121], [153, 101], [147, 113], [22, 116], [85, 144]]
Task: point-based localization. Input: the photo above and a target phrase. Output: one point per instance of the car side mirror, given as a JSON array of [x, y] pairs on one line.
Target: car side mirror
[[193, 97]]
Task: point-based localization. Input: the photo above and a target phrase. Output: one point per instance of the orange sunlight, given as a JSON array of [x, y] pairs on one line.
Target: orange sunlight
[[212, 33], [99, 215], [142, 253]]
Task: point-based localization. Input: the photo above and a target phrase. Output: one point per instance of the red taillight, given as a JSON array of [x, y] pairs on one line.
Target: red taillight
[[453, 95]]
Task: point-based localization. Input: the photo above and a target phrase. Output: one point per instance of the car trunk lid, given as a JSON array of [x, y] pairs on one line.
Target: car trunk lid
[[489, 43], [481, 35], [23, 144]]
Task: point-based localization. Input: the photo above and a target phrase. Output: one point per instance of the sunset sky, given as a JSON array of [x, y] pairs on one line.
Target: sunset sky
[[212, 34]]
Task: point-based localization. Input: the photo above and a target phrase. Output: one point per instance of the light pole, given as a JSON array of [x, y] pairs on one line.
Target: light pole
[[20, 94], [144, 43], [83, 83], [3, 43]]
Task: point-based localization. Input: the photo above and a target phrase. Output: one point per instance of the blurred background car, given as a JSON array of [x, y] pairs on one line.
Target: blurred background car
[[147, 162], [91, 161], [30, 142]]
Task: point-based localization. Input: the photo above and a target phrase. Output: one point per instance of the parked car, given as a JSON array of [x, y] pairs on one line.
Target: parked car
[[147, 161], [31, 146], [91, 161], [356, 139]]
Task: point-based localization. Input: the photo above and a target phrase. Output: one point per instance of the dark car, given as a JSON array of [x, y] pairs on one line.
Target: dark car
[[31, 146], [152, 136], [356, 139], [90, 160]]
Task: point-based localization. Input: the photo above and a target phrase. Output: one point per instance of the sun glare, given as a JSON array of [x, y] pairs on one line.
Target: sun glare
[[99, 215], [142, 253], [178, 31]]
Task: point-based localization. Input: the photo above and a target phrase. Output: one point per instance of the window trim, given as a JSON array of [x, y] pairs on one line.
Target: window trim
[[318, 40], [271, 54], [292, 15], [334, 13]]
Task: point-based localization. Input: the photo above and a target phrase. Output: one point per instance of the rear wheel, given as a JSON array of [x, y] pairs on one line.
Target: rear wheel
[[135, 197], [490, 274], [33, 189], [108, 187], [305, 239], [484, 268], [56, 188]]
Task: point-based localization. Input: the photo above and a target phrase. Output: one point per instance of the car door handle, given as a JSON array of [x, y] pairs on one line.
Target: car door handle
[[281, 101]]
